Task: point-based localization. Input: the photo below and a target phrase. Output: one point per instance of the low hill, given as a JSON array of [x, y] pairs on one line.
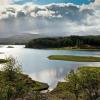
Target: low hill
[[82, 42], [20, 39]]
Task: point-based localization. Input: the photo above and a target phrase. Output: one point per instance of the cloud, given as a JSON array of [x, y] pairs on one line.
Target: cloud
[[5, 2], [51, 19], [62, 10], [97, 2]]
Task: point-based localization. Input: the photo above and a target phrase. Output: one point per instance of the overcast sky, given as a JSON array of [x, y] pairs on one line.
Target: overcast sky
[[52, 17]]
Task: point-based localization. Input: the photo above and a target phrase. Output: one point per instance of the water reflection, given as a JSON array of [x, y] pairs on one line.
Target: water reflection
[[36, 64], [52, 75]]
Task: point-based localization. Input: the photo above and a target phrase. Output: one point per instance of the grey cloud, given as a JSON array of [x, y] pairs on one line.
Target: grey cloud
[[69, 11], [52, 19]]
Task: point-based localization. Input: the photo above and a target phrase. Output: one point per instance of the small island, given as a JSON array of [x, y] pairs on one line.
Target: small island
[[75, 58], [10, 47]]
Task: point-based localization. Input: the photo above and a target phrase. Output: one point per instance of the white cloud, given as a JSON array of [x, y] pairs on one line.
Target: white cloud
[[97, 2], [52, 19], [45, 13], [5, 2], [52, 10]]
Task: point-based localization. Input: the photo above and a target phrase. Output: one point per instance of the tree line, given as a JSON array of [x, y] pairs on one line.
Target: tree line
[[70, 41]]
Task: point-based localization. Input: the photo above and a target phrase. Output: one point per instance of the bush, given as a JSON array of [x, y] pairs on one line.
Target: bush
[[84, 81]]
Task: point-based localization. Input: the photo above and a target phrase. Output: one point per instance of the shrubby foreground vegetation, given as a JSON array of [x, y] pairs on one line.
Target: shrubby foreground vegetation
[[83, 84], [14, 84], [80, 84], [82, 42]]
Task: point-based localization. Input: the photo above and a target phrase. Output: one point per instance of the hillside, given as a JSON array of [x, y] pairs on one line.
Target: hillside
[[20, 39], [78, 42]]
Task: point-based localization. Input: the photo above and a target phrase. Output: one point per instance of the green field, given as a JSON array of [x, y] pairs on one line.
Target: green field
[[75, 58]]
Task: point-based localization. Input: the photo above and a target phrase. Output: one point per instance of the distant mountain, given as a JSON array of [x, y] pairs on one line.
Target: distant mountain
[[20, 39]]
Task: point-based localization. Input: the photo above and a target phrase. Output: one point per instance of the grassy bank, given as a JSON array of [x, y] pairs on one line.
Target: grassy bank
[[27, 82], [75, 58]]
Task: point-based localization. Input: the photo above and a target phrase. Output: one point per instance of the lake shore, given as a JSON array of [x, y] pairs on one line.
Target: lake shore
[[75, 49]]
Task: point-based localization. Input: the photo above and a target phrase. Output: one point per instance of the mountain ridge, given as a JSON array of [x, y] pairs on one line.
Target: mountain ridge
[[20, 39]]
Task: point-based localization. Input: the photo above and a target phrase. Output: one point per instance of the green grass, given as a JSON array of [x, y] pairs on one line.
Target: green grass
[[39, 86], [3, 61], [75, 58]]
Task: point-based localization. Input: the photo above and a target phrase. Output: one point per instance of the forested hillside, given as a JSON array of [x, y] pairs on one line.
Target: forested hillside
[[71, 41]]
